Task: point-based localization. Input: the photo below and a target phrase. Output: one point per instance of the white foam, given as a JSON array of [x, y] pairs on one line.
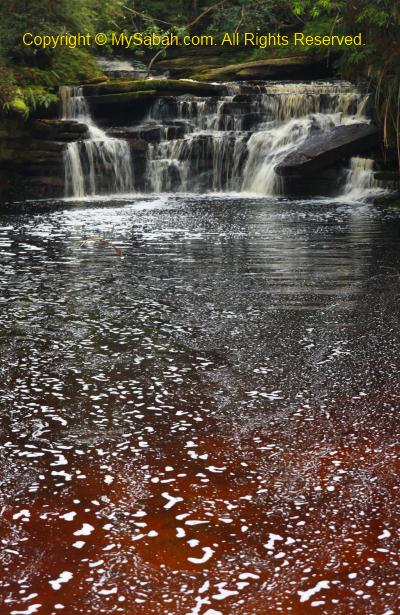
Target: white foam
[[208, 553], [171, 500], [85, 530], [63, 578], [306, 595]]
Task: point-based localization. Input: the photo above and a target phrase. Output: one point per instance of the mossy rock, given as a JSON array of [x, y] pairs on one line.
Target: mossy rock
[[95, 80], [185, 66], [122, 98], [293, 67], [159, 87], [19, 107], [69, 66], [72, 66]]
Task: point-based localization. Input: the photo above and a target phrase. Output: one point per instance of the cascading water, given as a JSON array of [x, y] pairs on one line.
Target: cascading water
[[99, 164], [234, 143], [231, 143], [360, 180]]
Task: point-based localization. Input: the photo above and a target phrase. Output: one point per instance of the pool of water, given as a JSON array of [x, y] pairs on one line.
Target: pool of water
[[199, 407]]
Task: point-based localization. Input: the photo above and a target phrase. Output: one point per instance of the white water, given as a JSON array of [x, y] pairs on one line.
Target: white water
[[234, 143], [360, 180], [99, 164], [119, 68]]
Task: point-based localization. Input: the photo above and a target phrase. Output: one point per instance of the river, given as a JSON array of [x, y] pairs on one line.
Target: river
[[199, 411]]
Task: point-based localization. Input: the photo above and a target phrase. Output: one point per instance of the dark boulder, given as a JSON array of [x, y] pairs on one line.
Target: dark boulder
[[324, 150]]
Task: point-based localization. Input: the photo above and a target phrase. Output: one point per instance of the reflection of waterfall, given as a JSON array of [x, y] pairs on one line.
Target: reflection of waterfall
[[235, 142], [99, 164], [360, 180]]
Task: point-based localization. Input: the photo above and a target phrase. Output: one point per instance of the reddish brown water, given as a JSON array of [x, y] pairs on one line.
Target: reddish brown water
[[208, 425]]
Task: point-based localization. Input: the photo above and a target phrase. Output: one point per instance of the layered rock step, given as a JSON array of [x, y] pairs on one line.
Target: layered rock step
[[267, 138]]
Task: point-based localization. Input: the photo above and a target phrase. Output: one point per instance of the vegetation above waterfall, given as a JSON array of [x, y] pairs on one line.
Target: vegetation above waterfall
[[29, 76]]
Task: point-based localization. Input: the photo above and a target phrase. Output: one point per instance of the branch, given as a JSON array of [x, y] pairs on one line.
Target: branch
[[167, 23], [189, 25], [240, 20], [154, 58], [204, 13]]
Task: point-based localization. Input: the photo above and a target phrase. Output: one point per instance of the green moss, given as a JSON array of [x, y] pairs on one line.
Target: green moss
[[19, 107], [75, 65], [35, 89], [159, 86], [39, 97], [203, 76], [124, 97], [27, 100], [69, 66]]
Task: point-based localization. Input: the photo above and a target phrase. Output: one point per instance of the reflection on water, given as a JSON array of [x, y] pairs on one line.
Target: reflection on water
[[207, 425]]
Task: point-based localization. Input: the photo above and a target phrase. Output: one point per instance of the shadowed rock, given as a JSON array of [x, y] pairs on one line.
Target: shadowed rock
[[296, 67], [153, 87], [324, 150], [59, 130]]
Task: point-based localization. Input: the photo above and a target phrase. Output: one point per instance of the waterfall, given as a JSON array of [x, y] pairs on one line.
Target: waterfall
[[99, 164], [360, 180], [229, 143], [235, 142]]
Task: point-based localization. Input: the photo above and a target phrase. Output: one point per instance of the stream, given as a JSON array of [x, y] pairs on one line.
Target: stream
[[199, 411], [199, 375]]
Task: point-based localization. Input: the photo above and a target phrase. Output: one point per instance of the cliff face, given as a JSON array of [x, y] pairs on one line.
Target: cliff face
[[31, 156]]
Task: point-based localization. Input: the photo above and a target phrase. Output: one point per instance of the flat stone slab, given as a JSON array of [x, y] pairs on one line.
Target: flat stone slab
[[324, 150], [154, 87]]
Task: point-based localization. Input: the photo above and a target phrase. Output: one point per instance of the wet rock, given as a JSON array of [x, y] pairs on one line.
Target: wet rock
[[153, 87], [244, 98], [326, 182], [152, 133], [235, 108], [186, 64], [119, 101], [324, 150], [147, 133], [59, 130], [121, 98], [250, 120]]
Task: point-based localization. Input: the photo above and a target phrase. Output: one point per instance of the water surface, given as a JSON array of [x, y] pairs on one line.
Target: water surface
[[209, 423]]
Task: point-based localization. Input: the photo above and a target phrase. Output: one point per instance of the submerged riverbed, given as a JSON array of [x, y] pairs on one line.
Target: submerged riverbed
[[200, 417]]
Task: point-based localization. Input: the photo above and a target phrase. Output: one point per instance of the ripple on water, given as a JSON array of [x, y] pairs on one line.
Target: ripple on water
[[209, 424]]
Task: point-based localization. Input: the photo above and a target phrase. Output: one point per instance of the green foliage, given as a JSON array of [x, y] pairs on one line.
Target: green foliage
[[75, 65], [24, 101], [378, 59], [40, 98], [18, 105], [263, 15], [7, 86]]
